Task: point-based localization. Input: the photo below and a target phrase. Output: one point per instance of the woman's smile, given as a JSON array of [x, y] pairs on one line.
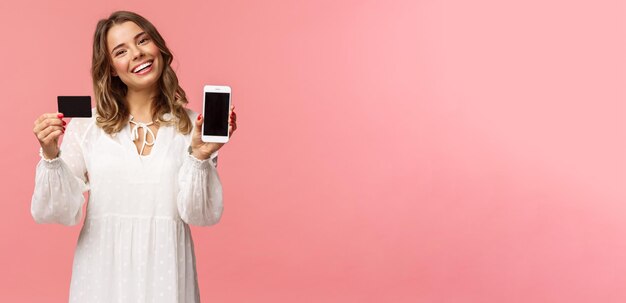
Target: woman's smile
[[143, 68]]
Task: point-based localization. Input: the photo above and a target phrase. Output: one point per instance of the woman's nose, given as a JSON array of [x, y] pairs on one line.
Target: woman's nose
[[137, 53]]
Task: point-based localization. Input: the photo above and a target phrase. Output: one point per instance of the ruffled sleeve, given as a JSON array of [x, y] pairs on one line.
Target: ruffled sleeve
[[60, 182], [199, 198]]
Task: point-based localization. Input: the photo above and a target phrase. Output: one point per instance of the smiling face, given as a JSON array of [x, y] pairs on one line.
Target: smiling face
[[135, 57]]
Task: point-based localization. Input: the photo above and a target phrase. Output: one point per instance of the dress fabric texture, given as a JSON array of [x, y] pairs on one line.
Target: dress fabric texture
[[135, 244]]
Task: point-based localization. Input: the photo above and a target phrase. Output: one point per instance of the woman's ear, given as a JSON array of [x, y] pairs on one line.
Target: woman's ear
[[113, 73]]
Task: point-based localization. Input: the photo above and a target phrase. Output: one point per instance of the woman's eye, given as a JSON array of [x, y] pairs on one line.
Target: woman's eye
[[143, 40], [121, 52]]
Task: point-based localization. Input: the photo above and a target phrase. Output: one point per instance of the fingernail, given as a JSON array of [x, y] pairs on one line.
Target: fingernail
[[60, 116], [64, 123], [199, 117]]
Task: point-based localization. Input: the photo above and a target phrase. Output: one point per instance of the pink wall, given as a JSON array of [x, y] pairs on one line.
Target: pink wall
[[413, 151]]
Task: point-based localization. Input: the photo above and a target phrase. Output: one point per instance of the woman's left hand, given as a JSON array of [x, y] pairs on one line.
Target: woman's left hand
[[203, 150]]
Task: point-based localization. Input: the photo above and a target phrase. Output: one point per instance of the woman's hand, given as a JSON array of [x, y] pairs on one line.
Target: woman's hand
[[203, 150], [48, 129]]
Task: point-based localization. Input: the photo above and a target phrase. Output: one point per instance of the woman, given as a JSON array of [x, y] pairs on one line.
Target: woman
[[145, 166]]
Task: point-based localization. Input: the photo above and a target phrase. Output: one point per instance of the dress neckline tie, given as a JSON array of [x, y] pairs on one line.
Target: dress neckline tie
[[146, 130]]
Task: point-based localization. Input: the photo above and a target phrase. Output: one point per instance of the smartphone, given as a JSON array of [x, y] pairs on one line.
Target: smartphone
[[74, 106], [215, 109]]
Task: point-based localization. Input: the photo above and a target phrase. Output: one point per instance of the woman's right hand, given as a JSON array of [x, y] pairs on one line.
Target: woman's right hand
[[48, 128]]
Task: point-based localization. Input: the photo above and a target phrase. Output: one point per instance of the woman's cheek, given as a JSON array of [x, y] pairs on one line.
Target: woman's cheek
[[119, 67]]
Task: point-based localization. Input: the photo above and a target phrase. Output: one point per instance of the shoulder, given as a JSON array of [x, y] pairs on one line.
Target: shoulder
[[85, 122], [80, 126], [191, 114]]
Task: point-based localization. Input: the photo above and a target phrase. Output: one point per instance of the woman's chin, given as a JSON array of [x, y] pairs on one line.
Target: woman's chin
[[144, 84]]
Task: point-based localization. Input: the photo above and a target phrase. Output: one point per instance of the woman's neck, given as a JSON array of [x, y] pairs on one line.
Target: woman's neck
[[140, 104]]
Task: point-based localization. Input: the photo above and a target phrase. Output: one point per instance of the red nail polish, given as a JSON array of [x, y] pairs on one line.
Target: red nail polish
[[64, 123], [60, 116], [199, 117]]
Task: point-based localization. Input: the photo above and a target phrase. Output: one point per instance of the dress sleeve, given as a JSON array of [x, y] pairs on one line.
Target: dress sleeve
[[60, 182], [200, 191]]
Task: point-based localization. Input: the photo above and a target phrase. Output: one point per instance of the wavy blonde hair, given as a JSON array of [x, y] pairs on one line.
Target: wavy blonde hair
[[110, 92]]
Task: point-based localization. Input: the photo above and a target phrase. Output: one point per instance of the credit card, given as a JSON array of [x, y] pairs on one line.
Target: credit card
[[74, 106]]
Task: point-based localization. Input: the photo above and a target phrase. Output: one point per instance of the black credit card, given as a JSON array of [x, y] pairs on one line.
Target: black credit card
[[74, 106]]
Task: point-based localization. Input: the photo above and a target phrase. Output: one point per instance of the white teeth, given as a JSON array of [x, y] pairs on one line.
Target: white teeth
[[140, 67]]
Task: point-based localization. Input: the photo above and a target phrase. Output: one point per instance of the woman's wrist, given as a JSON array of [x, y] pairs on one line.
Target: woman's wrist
[[198, 154], [49, 154]]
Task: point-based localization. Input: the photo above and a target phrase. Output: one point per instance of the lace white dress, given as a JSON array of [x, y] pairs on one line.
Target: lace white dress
[[135, 244]]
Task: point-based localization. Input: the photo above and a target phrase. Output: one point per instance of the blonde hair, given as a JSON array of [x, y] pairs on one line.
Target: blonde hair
[[112, 110]]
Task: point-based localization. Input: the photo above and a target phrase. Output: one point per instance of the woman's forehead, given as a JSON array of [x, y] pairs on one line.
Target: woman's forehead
[[122, 33]]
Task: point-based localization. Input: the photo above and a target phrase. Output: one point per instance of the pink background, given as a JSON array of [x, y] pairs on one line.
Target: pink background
[[412, 151]]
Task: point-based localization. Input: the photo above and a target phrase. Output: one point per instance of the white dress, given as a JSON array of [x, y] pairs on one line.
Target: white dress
[[135, 245]]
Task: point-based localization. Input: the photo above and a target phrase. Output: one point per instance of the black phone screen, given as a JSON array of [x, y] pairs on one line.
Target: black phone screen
[[216, 114]]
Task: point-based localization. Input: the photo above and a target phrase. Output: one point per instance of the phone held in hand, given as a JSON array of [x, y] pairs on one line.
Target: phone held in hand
[[74, 106], [216, 109]]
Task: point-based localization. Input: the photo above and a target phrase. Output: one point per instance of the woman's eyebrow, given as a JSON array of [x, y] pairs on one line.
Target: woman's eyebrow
[[122, 44]]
